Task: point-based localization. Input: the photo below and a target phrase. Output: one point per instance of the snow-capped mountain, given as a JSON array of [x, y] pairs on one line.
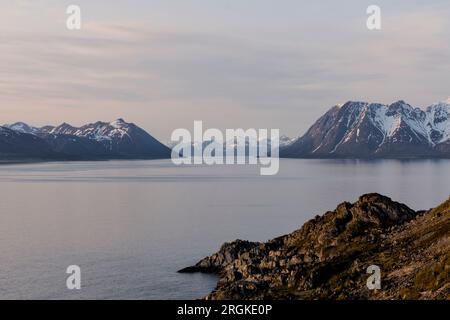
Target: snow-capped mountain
[[99, 131], [231, 145], [117, 139], [361, 129], [22, 127]]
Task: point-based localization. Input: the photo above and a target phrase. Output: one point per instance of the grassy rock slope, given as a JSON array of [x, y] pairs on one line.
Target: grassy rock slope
[[327, 258]]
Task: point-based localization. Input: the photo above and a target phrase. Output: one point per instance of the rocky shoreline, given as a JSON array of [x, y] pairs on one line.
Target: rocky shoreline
[[328, 257]]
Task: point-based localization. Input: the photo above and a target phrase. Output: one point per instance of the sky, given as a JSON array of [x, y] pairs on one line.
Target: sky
[[231, 63]]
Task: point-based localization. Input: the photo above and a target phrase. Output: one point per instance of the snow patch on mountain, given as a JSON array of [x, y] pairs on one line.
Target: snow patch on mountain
[[22, 127], [99, 131], [438, 122], [433, 124]]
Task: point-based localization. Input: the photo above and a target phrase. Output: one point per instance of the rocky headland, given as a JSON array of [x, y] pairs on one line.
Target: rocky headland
[[328, 257]]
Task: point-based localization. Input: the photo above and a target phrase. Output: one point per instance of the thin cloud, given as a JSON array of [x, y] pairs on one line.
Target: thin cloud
[[283, 71]]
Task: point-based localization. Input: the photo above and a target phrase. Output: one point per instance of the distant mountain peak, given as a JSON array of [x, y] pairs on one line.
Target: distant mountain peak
[[400, 103], [119, 123], [442, 104], [120, 120], [21, 127]]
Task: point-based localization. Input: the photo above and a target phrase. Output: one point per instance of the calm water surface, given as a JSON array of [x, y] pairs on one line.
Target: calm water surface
[[130, 225]]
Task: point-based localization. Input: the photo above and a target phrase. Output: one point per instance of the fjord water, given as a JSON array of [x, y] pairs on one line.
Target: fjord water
[[130, 225]]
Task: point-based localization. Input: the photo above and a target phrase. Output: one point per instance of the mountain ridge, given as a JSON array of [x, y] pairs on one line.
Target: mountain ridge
[[100, 140], [364, 130]]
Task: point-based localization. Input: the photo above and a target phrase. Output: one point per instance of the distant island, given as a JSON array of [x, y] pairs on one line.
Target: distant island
[[95, 141], [373, 130], [328, 257]]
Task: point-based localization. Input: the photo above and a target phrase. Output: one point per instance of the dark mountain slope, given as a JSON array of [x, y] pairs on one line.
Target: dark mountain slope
[[371, 130], [19, 145], [100, 140]]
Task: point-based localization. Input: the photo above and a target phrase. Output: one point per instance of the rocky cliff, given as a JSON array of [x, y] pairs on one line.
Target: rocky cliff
[[328, 257]]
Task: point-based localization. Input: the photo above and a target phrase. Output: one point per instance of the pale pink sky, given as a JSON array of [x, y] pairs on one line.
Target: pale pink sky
[[263, 64]]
